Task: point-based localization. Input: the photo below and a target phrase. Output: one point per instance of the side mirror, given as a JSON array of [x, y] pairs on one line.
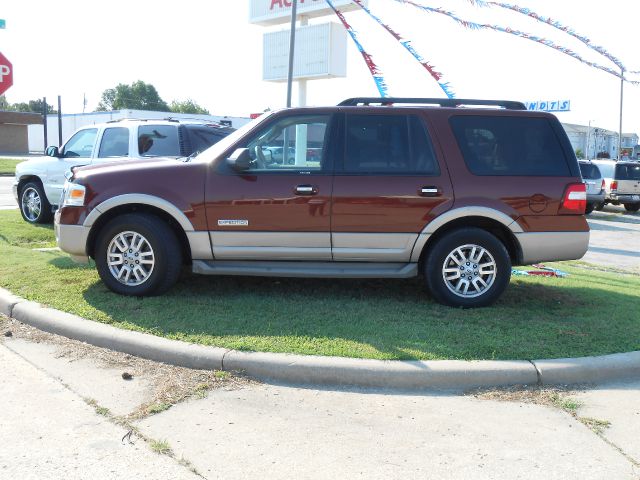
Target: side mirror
[[240, 160], [52, 151]]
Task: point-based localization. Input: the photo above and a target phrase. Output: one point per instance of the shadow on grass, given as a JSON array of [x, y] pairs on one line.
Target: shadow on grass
[[394, 319]]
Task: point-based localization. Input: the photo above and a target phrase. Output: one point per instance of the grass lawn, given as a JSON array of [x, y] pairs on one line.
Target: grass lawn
[[8, 166], [591, 312]]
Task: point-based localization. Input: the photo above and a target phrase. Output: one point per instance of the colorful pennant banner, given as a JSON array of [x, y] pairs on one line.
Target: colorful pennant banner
[[437, 76], [376, 73], [527, 36]]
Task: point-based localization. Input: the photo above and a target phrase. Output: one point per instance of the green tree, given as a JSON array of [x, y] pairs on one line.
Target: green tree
[[579, 154], [187, 106], [137, 96], [30, 106]]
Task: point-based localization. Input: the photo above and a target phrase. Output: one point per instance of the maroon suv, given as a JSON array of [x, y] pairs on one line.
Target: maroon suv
[[455, 190]]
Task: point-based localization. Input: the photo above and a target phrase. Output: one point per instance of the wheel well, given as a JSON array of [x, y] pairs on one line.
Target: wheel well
[[139, 208], [494, 227], [26, 179]]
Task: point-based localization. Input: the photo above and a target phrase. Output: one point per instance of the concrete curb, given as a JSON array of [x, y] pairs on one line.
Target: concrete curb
[[303, 369]]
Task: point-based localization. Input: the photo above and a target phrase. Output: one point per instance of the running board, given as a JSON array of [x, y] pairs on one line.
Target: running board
[[306, 269]]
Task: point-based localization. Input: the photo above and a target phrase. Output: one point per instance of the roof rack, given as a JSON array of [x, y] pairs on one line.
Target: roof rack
[[443, 102]]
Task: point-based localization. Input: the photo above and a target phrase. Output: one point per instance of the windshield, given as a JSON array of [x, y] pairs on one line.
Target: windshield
[[218, 149]]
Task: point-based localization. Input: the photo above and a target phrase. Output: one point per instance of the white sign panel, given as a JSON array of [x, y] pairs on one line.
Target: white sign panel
[[549, 105], [321, 52], [273, 12]]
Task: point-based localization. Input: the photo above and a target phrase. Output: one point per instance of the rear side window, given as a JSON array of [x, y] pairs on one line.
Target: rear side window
[[518, 146], [114, 143], [589, 171], [201, 137], [628, 171], [158, 141], [388, 144]]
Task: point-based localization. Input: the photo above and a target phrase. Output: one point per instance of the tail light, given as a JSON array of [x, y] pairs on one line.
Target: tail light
[[614, 185], [574, 201], [603, 185]]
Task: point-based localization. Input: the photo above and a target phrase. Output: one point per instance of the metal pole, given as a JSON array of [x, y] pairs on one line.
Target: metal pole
[[45, 112], [59, 121], [620, 128], [292, 43]]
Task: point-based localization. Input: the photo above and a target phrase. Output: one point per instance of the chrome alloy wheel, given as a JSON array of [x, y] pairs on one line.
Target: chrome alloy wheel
[[31, 204], [130, 258], [469, 271]]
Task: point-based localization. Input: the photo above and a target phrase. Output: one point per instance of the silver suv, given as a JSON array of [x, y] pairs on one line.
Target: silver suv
[[38, 182]]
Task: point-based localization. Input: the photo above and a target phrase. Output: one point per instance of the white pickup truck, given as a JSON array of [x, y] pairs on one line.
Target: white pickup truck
[[38, 182]]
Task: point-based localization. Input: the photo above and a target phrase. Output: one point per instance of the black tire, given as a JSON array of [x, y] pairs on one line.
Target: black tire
[[632, 207], [590, 207], [438, 258], [161, 246], [34, 206], [599, 206]]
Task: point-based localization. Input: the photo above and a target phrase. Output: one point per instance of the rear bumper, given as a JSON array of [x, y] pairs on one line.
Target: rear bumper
[[552, 246], [595, 197], [72, 239], [626, 198]]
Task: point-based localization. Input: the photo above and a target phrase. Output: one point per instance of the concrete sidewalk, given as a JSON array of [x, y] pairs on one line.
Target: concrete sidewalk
[[48, 432], [268, 431]]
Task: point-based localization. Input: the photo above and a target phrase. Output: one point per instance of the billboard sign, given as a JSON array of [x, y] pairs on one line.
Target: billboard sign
[[549, 105], [321, 52], [274, 12]]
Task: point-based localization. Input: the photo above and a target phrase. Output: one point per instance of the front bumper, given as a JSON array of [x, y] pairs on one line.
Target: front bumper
[[72, 239]]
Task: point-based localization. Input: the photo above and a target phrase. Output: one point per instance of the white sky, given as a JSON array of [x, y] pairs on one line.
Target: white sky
[[207, 51]]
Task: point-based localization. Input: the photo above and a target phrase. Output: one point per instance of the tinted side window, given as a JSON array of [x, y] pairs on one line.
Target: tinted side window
[[114, 143], [589, 171], [493, 145], [158, 141], [387, 144], [627, 172], [201, 138], [81, 144]]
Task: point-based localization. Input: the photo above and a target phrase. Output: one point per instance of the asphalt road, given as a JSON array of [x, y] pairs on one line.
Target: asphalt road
[[6, 196]]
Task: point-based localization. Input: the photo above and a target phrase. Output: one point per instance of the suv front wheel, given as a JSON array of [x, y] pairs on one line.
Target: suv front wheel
[[467, 267], [138, 254]]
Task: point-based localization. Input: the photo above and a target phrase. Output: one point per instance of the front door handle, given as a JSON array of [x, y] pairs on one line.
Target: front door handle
[[430, 191], [306, 190]]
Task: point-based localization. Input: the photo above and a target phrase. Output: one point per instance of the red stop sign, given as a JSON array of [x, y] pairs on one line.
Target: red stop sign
[[6, 74]]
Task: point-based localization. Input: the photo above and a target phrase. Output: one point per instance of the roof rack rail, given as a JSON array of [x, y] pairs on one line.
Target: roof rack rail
[[443, 102]]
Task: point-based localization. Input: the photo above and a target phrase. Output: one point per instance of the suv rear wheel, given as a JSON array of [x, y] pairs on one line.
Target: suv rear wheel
[[467, 267], [34, 206], [138, 255], [632, 207]]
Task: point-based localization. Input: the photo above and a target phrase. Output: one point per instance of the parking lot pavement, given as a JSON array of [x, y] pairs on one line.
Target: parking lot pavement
[[615, 239], [6, 195], [251, 430]]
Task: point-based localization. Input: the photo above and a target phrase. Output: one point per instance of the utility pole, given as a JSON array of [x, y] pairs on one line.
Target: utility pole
[[620, 126], [59, 121], [292, 44], [45, 113]]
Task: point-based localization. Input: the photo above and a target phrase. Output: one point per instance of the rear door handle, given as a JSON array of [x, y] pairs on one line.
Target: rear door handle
[[306, 190], [430, 191]]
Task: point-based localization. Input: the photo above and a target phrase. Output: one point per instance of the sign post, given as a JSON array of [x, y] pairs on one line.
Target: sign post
[[6, 74]]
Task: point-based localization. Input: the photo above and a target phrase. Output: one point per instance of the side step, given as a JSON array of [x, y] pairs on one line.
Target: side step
[[306, 269]]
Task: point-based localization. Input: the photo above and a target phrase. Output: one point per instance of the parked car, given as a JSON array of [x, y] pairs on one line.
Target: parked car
[[38, 182], [594, 182], [622, 183], [403, 187]]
